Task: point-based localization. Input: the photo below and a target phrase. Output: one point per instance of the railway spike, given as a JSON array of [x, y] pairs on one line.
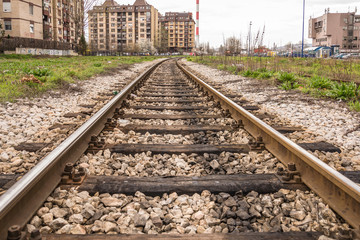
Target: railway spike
[[14, 233], [69, 167]]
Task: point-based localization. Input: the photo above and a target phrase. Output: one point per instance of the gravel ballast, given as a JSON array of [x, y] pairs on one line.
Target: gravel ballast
[[28, 120], [72, 212], [323, 120]]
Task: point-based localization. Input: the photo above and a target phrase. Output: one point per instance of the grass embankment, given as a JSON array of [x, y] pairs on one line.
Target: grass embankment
[[25, 75], [326, 78]]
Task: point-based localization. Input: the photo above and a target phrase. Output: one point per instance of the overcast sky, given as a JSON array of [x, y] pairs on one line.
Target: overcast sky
[[282, 18]]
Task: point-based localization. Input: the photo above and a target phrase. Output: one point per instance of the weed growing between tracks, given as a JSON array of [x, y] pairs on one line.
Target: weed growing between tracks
[[326, 78], [25, 75]]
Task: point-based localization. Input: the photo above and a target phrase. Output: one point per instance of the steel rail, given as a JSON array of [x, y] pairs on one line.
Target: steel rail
[[22, 200], [339, 192]]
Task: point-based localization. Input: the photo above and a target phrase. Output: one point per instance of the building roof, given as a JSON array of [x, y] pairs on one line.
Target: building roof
[[140, 3], [109, 3]]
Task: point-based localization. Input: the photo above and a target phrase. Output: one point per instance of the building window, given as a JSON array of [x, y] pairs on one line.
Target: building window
[[31, 9], [6, 6], [8, 25], [31, 28]]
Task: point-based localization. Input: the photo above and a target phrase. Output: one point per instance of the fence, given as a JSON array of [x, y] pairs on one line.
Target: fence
[[10, 44]]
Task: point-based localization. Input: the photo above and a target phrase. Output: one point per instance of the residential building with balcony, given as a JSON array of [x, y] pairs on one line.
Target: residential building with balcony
[[22, 18], [56, 20], [63, 20], [342, 29], [118, 28], [181, 31]]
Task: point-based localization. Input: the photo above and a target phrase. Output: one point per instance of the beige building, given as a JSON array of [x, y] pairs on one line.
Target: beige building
[[181, 31], [114, 27], [58, 20], [341, 29], [63, 20], [22, 18]]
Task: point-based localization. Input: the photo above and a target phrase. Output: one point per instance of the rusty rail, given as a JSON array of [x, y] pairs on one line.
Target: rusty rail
[[342, 194], [22, 200]]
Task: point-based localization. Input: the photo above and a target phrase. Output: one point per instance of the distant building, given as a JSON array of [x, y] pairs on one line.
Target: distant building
[[22, 18], [114, 27], [331, 29], [261, 50], [57, 20], [181, 31], [63, 20]]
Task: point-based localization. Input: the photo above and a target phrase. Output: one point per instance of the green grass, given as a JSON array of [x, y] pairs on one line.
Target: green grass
[[286, 77], [355, 106], [320, 82], [343, 91], [323, 78], [53, 72]]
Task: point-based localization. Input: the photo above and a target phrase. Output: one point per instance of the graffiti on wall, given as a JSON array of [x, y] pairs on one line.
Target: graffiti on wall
[[39, 51]]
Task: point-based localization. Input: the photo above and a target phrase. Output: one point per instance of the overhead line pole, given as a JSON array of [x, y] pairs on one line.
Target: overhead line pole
[[303, 29], [197, 23]]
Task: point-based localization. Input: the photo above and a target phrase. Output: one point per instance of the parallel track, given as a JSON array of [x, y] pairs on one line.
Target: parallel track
[[21, 201]]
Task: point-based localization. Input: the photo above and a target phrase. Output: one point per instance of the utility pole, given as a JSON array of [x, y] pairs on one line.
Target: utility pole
[[303, 29], [250, 39], [198, 24]]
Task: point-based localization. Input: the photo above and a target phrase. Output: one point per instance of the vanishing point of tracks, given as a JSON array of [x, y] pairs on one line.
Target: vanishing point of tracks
[[171, 154]]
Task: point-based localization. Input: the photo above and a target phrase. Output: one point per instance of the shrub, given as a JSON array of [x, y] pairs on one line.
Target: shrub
[[343, 91], [320, 82], [221, 67], [232, 69], [287, 77], [354, 105], [255, 74], [262, 70], [289, 85], [265, 75], [41, 72], [247, 73]]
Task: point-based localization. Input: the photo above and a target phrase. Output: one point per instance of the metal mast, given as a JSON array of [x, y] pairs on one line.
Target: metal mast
[[197, 23]]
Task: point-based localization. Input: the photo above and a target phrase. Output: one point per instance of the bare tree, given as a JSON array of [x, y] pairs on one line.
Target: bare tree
[[2, 33], [233, 45], [163, 44], [88, 5]]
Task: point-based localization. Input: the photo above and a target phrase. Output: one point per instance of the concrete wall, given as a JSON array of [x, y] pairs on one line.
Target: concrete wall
[[38, 51]]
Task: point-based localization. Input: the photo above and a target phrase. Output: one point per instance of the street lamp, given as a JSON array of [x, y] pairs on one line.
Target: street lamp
[[303, 28]]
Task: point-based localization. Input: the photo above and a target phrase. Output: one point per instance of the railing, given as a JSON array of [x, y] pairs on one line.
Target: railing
[[10, 44]]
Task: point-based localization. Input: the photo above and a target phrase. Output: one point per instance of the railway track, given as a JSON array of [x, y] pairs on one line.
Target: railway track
[[171, 154]]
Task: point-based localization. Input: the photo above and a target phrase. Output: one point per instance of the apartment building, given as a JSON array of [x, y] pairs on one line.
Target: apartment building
[[114, 27], [181, 31], [22, 18], [57, 20], [341, 29], [63, 20]]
